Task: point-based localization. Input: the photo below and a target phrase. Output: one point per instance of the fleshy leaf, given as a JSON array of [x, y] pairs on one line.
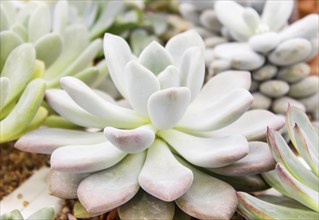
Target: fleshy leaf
[[109, 193], [81, 212], [8, 40], [46, 140], [229, 13], [219, 114], [39, 23], [64, 185], [85, 158], [169, 77], [162, 175], [166, 107], [252, 124], [253, 208], [72, 48], [209, 152], [220, 85], [155, 58], [85, 97], [4, 90], [302, 193], [18, 68], [48, 48], [23, 113], [131, 141], [178, 44], [117, 54], [192, 71], [145, 206], [63, 104], [277, 13], [258, 160], [284, 155], [60, 15], [208, 197], [140, 85]]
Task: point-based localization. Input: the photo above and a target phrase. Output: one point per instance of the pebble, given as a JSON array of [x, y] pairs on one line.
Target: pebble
[[290, 52], [311, 102], [294, 73], [274, 88], [280, 105], [209, 56], [218, 66], [306, 87], [264, 43], [266, 72], [189, 12], [260, 101], [214, 41], [254, 86]]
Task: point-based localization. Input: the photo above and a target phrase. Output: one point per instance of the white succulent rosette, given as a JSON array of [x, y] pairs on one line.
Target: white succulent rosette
[[275, 53], [64, 48], [169, 125]]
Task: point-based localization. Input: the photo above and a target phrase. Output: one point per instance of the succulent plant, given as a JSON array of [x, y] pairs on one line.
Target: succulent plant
[[44, 213], [273, 52], [295, 176], [168, 125], [21, 93]]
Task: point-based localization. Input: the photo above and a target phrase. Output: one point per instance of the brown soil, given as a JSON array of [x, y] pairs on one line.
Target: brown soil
[[16, 167]]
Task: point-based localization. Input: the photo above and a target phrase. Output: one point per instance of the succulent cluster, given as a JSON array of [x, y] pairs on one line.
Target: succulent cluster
[[166, 127], [274, 53], [296, 177]]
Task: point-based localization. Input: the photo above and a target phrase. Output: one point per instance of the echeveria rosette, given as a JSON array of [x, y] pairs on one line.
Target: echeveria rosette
[[21, 93], [296, 177], [170, 125]]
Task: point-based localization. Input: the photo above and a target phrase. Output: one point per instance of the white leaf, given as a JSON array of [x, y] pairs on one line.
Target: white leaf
[[166, 107]]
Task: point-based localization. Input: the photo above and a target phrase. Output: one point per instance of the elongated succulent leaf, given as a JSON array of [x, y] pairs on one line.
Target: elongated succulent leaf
[[48, 48], [258, 160], [162, 175], [4, 90], [60, 15], [218, 114], [166, 107], [39, 23], [140, 84], [208, 197], [24, 112], [252, 124], [109, 193], [64, 185], [253, 208], [18, 69], [131, 141], [302, 193], [8, 40], [284, 155], [44, 213], [209, 152], [145, 206], [46, 140], [13, 215], [86, 158], [85, 97]]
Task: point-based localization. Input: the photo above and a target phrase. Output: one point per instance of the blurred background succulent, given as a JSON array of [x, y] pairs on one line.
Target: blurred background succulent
[[21, 93], [44, 213], [275, 53], [169, 135], [296, 175]]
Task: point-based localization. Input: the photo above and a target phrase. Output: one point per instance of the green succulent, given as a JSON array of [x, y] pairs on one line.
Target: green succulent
[[44, 213], [295, 176]]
